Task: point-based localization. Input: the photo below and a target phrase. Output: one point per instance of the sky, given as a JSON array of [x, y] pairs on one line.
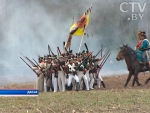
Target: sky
[[28, 26]]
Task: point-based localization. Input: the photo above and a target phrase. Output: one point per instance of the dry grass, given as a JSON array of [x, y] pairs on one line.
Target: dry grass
[[96, 101], [114, 99]]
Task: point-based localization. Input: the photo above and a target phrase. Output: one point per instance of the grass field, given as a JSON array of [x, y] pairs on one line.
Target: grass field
[[114, 99], [96, 101]]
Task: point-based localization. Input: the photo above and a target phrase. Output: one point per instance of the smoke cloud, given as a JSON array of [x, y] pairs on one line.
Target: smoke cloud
[[28, 26]]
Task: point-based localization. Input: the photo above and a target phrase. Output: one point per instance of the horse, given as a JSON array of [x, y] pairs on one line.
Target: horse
[[133, 65]]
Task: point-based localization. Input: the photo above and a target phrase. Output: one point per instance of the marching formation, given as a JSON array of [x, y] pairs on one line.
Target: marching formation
[[68, 71]]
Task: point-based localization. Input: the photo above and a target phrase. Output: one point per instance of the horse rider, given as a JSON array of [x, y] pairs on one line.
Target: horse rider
[[143, 48], [139, 41]]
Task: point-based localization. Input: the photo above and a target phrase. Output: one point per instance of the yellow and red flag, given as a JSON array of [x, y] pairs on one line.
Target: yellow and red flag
[[78, 28], [80, 25]]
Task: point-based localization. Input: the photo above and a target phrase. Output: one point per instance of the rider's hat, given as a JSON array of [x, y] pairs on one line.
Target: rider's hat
[[144, 34]]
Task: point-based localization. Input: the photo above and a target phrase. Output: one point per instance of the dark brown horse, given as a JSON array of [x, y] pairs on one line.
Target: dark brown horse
[[133, 65]]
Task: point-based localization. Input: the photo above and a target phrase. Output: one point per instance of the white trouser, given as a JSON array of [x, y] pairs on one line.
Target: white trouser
[[39, 83], [44, 86], [81, 75], [99, 79], [88, 76], [91, 80], [73, 84], [54, 82], [61, 81], [71, 76]]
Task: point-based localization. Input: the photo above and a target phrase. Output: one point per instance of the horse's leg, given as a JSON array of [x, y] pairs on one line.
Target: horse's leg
[[129, 77], [133, 82], [136, 79], [147, 80]]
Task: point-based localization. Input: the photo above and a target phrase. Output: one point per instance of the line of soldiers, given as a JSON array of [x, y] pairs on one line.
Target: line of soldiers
[[68, 72]]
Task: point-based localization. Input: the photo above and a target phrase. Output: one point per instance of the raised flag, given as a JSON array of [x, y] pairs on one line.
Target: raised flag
[[79, 27]]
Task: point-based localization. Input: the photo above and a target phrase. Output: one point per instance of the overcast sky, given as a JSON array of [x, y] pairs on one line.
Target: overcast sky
[[28, 26]]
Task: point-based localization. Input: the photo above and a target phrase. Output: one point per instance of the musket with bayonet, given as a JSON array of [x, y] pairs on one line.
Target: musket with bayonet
[[95, 56], [39, 66], [59, 50], [66, 51], [29, 66], [28, 60], [101, 52], [58, 53], [50, 50], [95, 64], [36, 63], [104, 59], [104, 56], [83, 60], [103, 62], [86, 47], [102, 49]]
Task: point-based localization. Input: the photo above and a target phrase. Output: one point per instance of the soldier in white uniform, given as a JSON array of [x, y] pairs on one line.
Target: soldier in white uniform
[[71, 72], [54, 73], [91, 75], [82, 74], [48, 77], [99, 78], [39, 83], [61, 74]]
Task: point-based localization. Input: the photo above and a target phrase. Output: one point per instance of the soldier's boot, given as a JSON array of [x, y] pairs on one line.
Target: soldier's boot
[[77, 86], [103, 84], [47, 89], [52, 88], [144, 63], [68, 88]]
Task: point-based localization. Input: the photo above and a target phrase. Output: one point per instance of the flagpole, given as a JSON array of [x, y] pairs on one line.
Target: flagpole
[[81, 41], [84, 31]]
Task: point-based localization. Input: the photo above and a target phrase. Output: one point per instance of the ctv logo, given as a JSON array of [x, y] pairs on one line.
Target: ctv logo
[[134, 16]]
